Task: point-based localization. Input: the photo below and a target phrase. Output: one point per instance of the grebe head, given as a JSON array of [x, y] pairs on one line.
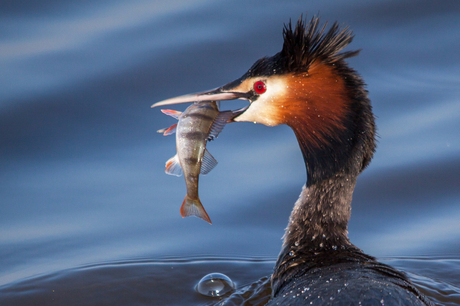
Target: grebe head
[[309, 87]]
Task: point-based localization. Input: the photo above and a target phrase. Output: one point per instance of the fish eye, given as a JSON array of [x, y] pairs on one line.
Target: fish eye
[[260, 87]]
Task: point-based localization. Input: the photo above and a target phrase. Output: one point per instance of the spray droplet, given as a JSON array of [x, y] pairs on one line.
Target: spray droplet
[[296, 243], [334, 247], [321, 245], [215, 284], [291, 253]]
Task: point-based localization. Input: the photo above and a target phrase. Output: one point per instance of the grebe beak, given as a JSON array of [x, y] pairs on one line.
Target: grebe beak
[[217, 94], [225, 92]]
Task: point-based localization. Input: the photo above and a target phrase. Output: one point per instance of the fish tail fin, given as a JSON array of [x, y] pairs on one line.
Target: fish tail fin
[[193, 207]]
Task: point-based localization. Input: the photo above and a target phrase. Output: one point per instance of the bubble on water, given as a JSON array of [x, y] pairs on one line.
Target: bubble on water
[[215, 284]]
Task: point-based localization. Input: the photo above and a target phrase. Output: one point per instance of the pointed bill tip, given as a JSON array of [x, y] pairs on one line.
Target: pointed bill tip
[[181, 99]]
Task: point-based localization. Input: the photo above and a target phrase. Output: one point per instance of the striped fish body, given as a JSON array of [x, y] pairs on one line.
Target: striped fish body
[[191, 136], [199, 123]]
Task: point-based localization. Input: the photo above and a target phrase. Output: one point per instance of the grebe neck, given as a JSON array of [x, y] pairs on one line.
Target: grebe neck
[[320, 216]]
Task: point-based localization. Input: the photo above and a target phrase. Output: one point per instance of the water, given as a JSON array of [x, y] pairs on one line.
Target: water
[[215, 284], [86, 209]]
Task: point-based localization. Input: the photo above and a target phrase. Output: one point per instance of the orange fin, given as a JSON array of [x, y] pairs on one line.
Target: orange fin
[[193, 207], [173, 166], [172, 113], [171, 130], [168, 131]]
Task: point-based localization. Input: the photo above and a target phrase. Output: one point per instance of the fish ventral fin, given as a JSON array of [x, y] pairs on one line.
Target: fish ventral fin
[[218, 124], [207, 163], [173, 113], [171, 130], [168, 131], [193, 207], [173, 166]]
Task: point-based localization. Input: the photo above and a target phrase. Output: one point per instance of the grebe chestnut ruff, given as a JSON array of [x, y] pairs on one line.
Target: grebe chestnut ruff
[[310, 87]]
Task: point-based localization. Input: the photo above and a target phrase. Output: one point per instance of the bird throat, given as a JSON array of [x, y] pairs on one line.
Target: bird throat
[[320, 216], [317, 229]]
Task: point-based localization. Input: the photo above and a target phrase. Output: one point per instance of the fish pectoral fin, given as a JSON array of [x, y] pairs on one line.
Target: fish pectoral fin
[[171, 130], [207, 163], [173, 166], [172, 113], [219, 123]]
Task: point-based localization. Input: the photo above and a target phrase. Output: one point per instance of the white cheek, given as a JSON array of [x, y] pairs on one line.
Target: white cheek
[[257, 113], [263, 110]]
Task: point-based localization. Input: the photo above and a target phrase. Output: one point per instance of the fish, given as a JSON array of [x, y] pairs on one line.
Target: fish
[[198, 124]]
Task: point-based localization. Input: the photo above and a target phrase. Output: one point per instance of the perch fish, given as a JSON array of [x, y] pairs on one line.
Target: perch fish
[[199, 123]]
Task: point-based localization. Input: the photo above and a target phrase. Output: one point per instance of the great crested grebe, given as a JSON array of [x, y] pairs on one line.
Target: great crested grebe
[[310, 87]]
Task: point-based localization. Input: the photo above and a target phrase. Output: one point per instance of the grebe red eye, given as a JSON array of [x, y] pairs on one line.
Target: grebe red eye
[[260, 87]]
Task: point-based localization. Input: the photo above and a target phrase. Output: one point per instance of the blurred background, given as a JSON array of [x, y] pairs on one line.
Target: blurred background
[[82, 177]]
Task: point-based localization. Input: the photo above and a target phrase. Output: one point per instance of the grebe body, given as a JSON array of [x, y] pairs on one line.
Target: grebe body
[[309, 87]]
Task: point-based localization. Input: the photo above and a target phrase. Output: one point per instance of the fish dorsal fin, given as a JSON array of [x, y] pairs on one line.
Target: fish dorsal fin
[[219, 123], [173, 166], [172, 113], [208, 162]]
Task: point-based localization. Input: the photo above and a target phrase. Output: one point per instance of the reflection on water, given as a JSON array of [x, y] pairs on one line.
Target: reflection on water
[[82, 184], [173, 281]]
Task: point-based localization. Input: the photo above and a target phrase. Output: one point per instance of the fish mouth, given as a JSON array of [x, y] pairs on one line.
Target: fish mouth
[[217, 94]]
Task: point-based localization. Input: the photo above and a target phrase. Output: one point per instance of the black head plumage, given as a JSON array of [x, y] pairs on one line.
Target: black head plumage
[[303, 45], [308, 43]]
